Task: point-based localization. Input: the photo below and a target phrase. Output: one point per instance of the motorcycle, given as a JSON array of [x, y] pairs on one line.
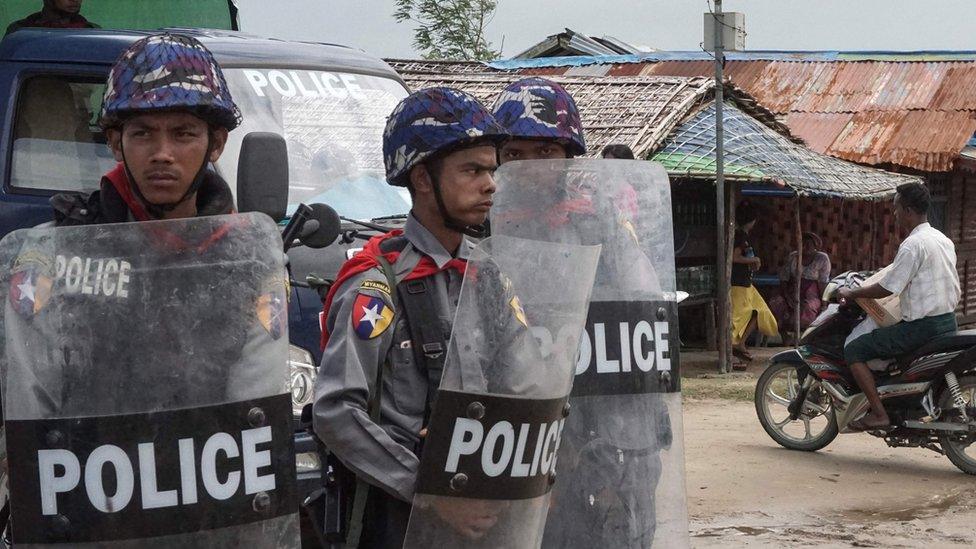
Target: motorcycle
[[807, 396]]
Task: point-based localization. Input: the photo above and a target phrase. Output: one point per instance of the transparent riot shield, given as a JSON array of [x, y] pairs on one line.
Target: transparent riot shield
[[488, 460], [144, 380], [621, 461]]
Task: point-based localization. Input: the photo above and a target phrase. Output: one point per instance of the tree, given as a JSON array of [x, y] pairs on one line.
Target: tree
[[450, 29]]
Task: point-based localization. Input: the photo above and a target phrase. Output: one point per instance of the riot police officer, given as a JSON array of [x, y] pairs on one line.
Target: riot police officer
[[132, 320], [383, 349], [609, 463]]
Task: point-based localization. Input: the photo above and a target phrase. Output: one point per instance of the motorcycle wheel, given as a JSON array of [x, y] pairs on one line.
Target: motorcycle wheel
[[959, 448], [813, 429]]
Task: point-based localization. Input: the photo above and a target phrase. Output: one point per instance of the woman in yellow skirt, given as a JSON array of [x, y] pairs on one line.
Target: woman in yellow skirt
[[749, 310]]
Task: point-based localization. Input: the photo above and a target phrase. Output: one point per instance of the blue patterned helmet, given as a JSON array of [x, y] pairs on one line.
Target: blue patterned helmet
[[536, 108], [168, 72], [432, 120]]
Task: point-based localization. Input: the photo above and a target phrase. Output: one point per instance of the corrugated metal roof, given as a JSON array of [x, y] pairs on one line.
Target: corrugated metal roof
[[909, 109], [817, 130]]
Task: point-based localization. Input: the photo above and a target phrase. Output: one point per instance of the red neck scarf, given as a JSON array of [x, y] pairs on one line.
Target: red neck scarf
[[367, 259]]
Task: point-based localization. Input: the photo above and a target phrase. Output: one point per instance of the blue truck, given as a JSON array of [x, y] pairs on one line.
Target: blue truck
[[329, 103]]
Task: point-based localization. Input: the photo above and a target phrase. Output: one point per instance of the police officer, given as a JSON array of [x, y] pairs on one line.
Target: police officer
[[379, 368], [609, 461], [167, 112]]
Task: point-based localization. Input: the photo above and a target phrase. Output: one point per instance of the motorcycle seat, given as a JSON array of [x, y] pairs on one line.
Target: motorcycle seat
[[945, 343]]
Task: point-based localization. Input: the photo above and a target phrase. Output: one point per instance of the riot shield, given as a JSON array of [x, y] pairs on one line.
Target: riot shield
[[145, 385], [489, 456], [621, 462]]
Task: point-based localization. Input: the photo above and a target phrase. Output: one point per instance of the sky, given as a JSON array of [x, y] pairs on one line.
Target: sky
[[663, 24]]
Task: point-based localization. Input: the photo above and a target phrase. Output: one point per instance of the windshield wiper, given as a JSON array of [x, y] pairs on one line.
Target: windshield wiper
[[367, 224], [391, 217]]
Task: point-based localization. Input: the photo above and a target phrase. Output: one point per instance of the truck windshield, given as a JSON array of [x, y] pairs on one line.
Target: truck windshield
[[333, 124]]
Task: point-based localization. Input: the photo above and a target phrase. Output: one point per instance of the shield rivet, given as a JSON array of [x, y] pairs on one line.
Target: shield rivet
[[662, 314], [566, 408], [60, 526], [666, 377], [261, 503], [256, 417], [54, 438], [459, 481], [476, 410]]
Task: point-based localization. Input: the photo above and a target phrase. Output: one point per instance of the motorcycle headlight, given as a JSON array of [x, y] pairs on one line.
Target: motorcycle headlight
[[302, 377]]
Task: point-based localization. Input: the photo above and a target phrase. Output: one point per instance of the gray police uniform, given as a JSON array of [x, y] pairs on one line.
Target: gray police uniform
[[384, 455]]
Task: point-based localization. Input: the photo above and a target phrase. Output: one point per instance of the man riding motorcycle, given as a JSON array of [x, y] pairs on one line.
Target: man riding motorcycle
[[924, 277]]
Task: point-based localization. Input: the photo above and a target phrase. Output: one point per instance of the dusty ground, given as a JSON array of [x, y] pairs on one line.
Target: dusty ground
[[744, 490]]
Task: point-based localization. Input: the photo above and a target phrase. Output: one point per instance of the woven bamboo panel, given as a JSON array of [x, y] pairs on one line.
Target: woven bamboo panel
[[857, 235]]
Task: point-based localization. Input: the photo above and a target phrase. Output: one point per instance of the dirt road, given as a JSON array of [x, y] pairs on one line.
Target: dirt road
[[746, 491]]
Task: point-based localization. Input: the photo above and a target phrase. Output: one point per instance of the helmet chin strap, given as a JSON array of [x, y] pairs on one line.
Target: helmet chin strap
[[159, 210], [451, 222]]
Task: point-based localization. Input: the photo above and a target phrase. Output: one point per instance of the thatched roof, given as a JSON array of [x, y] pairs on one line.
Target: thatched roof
[[755, 152], [666, 118], [639, 112]]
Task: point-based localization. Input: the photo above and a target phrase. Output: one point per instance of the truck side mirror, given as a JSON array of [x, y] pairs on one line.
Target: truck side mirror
[[328, 229], [262, 175]]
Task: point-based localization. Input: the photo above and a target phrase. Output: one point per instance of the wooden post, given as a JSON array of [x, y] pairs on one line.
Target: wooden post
[[726, 248], [799, 274]]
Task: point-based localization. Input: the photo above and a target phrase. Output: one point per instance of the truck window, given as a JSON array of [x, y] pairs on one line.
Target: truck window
[[333, 123], [57, 143]]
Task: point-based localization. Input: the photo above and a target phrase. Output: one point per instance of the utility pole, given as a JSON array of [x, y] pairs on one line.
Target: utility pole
[[722, 281]]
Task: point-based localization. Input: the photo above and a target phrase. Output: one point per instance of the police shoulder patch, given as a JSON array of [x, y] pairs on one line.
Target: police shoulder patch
[[371, 315], [516, 304], [272, 306], [31, 284]]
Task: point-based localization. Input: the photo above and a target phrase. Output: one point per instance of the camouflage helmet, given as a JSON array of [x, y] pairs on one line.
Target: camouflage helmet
[[167, 72], [536, 108], [433, 120]]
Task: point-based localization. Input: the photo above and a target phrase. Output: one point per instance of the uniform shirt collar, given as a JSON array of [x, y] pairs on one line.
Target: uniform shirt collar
[[425, 242]]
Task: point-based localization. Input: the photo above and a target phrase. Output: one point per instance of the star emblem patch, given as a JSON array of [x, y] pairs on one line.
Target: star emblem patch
[[30, 291], [371, 316]]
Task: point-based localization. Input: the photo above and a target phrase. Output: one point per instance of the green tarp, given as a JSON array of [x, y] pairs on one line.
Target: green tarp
[[137, 14]]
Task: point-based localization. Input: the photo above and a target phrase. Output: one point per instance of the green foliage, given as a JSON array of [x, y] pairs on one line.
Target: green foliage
[[450, 29]]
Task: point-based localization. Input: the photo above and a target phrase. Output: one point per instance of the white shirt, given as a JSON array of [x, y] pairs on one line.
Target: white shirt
[[924, 275]]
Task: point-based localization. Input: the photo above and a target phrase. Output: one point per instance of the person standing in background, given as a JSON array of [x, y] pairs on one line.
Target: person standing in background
[[55, 14], [816, 275], [749, 310]]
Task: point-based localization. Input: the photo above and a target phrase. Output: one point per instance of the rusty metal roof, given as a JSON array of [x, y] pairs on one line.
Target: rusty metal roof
[[910, 110]]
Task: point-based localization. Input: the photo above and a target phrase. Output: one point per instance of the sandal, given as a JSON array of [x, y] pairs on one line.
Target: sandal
[[741, 354]]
